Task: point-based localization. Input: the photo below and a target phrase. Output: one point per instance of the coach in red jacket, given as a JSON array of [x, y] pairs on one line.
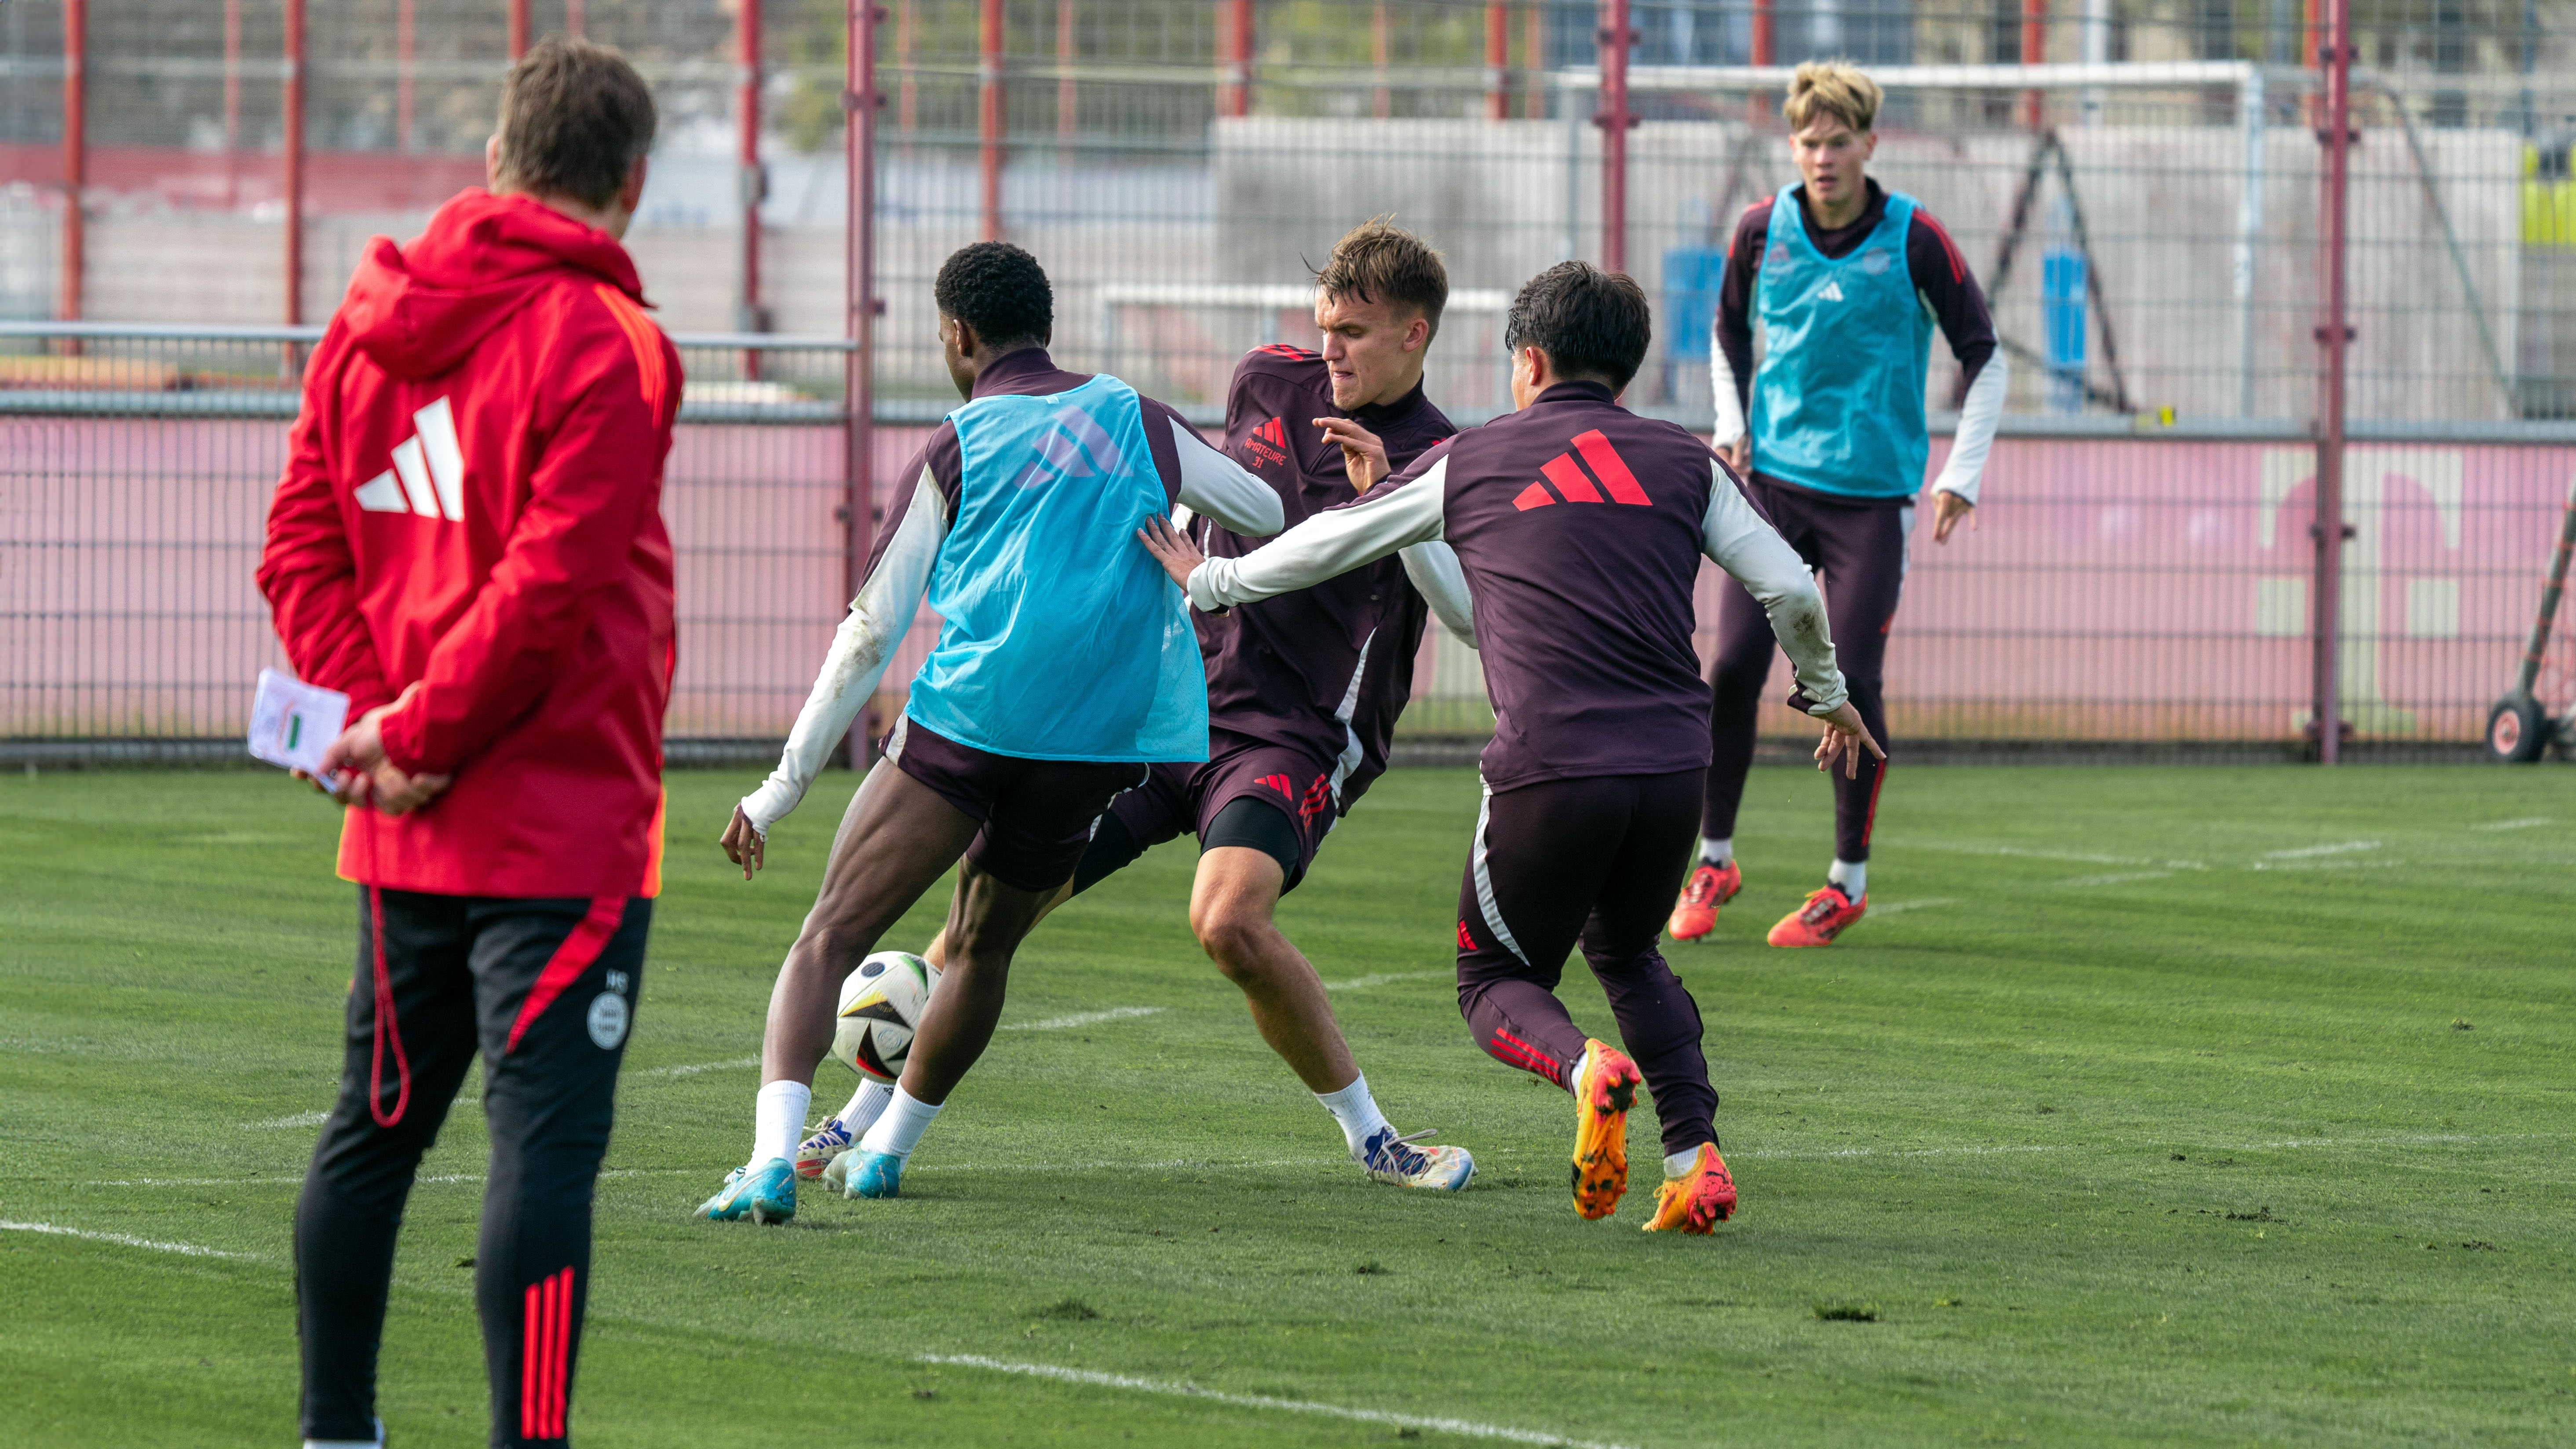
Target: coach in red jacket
[[468, 542]]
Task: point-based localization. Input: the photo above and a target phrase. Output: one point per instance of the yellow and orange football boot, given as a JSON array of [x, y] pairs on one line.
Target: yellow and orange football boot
[[1604, 1090], [1698, 1200], [1709, 887], [1827, 914]]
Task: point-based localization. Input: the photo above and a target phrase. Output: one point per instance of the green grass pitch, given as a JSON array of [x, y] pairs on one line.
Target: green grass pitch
[[2173, 1106]]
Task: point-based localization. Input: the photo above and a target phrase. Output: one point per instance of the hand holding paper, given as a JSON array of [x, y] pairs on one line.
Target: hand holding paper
[[357, 762]]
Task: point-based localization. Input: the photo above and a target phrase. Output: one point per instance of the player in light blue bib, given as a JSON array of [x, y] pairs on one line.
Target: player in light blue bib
[[1065, 664], [1828, 435]]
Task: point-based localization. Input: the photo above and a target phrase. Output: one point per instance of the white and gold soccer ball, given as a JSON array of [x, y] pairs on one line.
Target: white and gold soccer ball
[[881, 1003]]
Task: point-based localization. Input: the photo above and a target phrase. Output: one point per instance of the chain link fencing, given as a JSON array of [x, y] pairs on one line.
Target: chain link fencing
[[2137, 185]]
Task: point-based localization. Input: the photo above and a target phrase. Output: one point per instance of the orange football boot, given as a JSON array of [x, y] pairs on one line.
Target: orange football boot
[[1709, 887], [1827, 914], [1698, 1200], [1603, 1092]]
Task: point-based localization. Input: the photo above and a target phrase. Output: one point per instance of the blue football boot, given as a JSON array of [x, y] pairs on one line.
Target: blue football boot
[[873, 1174], [766, 1194]]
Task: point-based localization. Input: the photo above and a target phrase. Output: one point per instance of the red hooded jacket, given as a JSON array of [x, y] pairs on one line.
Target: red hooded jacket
[[472, 502]]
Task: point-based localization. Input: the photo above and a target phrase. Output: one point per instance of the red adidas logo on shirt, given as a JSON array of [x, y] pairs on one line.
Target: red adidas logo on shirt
[[1267, 444], [1279, 783], [1607, 466]]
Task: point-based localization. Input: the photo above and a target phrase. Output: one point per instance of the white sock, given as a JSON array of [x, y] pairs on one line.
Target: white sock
[[898, 1129], [778, 1117], [1716, 850], [1851, 875], [1356, 1110], [1574, 1071], [865, 1106], [1679, 1164], [350, 1443]]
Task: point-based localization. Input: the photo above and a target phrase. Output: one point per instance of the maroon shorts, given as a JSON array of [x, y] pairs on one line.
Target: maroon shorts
[[1037, 814], [1193, 797]]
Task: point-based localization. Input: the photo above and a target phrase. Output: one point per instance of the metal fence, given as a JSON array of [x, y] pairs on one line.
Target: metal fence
[[2144, 189]]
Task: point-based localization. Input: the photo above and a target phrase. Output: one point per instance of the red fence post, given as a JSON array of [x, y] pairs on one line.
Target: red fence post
[[1381, 101], [75, 266], [1498, 62], [1615, 123], [991, 116], [1234, 58], [1068, 107], [751, 182], [2335, 335], [291, 165], [860, 102], [519, 28], [2034, 51], [1534, 62], [1760, 52], [573, 18]]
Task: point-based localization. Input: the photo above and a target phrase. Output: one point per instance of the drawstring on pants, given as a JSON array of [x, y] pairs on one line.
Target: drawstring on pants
[[386, 1026]]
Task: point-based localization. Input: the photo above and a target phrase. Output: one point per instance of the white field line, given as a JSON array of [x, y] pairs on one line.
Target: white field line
[[2105, 880], [2082, 857], [186, 1249], [300, 1119], [2306, 852], [1466, 1428], [2329, 865], [694, 1068], [1362, 983], [2526, 823], [1085, 1018], [1926, 903]]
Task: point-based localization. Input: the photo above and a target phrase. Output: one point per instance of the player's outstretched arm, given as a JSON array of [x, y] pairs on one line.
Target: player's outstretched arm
[[1954, 493], [1406, 510], [861, 648]]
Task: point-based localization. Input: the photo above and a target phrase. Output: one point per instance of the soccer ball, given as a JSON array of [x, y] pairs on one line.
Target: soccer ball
[[881, 1003]]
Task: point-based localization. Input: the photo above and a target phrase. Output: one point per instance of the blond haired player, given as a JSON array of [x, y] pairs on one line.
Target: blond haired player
[[1850, 280]]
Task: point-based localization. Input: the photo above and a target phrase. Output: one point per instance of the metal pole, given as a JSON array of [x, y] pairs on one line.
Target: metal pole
[[75, 267], [860, 102], [2330, 530], [990, 116], [2034, 51], [1234, 54], [1615, 123], [1761, 52], [1498, 61], [2252, 111], [406, 48], [574, 19], [1381, 100], [752, 182], [519, 28], [291, 166], [907, 110]]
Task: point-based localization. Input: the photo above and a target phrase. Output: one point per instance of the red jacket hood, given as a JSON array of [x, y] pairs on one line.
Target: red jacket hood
[[416, 310]]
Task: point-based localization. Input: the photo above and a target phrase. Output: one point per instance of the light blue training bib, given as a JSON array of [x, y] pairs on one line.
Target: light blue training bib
[[1838, 399], [1063, 639]]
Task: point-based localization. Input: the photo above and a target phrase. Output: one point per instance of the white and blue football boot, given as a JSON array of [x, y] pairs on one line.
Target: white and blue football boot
[[1393, 1159], [815, 1153], [765, 1194]]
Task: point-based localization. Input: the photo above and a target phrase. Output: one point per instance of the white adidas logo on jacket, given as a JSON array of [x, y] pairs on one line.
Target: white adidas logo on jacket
[[430, 468]]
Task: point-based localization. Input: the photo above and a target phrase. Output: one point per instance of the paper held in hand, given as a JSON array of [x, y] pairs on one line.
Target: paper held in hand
[[292, 723]]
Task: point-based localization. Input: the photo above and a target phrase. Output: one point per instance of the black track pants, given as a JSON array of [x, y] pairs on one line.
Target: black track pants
[[1594, 861], [545, 990], [1858, 549]]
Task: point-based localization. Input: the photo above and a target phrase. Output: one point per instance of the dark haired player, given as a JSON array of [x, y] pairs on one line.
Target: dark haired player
[[1580, 527], [1303, 690], [468, 542], [1849, 292], [1061, 671]]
